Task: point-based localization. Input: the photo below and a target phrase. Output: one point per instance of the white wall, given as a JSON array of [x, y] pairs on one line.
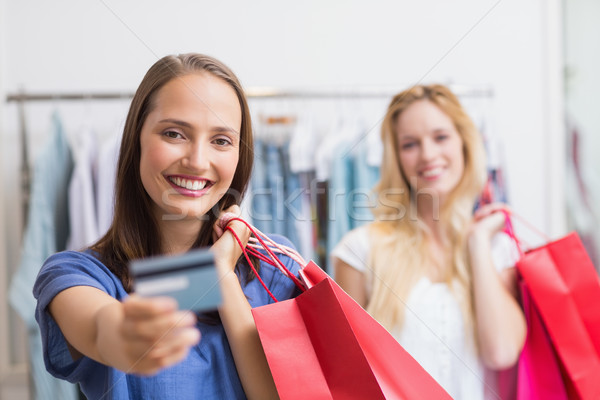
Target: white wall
[[582, 38]]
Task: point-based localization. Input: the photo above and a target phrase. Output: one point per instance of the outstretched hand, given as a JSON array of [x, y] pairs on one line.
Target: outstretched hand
[[155, 334]]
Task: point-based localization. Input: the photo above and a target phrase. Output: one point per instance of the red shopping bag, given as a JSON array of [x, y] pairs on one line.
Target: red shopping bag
[[539, 374], [565, 290], [324, 345]]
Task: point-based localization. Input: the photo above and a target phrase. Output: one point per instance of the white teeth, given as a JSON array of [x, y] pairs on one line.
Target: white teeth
[[432, 172], [189, 184]]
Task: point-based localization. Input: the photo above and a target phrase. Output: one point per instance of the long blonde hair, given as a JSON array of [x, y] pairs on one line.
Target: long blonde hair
[[398, 237]]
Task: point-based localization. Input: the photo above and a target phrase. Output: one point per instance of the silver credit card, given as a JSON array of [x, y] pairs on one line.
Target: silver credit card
[[190, 278]]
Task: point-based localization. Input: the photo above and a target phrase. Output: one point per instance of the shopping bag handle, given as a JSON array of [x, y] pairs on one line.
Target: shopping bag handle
[[509, 230], [259, 241]]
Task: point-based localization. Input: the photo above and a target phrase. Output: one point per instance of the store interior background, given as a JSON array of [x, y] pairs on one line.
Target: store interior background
[[539, 58]]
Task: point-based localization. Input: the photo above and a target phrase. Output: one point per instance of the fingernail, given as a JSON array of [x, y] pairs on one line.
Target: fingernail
[[197, 335], [189, 318], [167, 303]]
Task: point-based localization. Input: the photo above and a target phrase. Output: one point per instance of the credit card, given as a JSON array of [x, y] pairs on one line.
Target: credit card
[[190, 278]]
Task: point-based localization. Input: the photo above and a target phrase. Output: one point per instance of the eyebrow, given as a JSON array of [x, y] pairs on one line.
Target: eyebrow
[[434, 131], [407, 136], [176, 122], [188, 125]]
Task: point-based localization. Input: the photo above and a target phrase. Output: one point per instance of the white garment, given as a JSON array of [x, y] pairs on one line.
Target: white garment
[[82, 199], [374, 146], [433, 331], [246, 205], [303, 145], [105, 177], [339, 133]]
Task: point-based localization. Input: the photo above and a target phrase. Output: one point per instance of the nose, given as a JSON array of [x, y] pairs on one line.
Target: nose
[[197, 157], [429, 150]]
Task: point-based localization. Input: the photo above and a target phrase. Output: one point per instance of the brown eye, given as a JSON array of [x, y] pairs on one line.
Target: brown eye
[[172, 134], [221, 142]]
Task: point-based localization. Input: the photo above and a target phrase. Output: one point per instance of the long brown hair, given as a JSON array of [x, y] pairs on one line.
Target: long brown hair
[[399, 235], [134, 231]]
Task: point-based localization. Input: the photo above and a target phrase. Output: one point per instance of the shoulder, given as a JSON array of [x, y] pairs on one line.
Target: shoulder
[[291, 264], [81, 257], [357, 236], [279, 284], [354, 247], [75, 263], [70, 263], [74, 268], [281, 240]]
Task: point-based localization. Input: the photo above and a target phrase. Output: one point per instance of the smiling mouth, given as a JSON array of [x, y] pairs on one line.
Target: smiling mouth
[[190, 184], [432, 172]]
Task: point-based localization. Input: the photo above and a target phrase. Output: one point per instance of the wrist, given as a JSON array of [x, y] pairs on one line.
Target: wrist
[[477, 239], [225, 270]]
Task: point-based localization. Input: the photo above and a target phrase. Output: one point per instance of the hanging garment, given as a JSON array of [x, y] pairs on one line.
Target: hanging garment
[[82, 198], [579, 199], [261, 197], [46, 233], [301, 159], [276, 185], [307, 223], [106, 174], [350, 194], [293, 197]]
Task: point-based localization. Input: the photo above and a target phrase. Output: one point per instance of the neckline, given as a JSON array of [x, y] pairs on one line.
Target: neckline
[[430, 282]]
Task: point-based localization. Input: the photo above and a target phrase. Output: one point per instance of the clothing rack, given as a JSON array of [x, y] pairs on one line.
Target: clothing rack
[[258, 93], [253, 93]]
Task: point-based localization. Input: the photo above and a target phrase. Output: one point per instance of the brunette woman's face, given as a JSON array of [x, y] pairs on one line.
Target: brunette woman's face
[[190, 146], [430, 149]]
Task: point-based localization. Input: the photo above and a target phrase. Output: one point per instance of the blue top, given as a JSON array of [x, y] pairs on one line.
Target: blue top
[[208, 372]]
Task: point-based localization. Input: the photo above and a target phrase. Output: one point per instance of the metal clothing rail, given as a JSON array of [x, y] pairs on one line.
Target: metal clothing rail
[[372, 92], [254, 93]]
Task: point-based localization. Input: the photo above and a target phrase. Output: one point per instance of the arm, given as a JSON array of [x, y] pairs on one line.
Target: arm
[[137, 336], [351, 280], [236, 315], [501, 326]]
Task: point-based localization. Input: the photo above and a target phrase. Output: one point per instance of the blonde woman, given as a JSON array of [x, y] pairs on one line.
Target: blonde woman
[[439, 277]]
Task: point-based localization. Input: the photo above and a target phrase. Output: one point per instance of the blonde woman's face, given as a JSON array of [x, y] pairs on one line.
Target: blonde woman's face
[[430, 149]]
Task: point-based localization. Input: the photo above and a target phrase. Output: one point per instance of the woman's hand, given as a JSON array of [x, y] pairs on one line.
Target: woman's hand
[[488, 220], [155, 334], [226, 249]]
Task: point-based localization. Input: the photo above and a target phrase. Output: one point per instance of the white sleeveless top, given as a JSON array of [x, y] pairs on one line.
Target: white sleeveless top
[[433, 331]]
